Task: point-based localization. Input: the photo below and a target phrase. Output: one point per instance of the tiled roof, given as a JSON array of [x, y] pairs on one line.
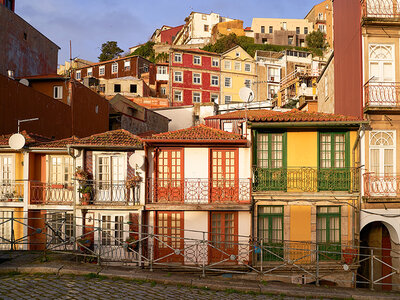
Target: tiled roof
[[56, 144], [195, 50], [197, 134], [114, 138], [264, 115], [30, 138], [46, 76]]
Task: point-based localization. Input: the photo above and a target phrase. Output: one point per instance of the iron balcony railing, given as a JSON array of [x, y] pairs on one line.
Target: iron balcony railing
[[51, 193], [305, 179], [382, 94], [381, 9], [11, 191], [198, 191], [381, 185], [109, 193]]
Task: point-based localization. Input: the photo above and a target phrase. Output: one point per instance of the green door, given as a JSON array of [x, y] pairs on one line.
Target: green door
[[329, 232]]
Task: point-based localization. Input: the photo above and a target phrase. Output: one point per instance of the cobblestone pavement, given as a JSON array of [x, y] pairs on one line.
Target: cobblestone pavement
[[87, 287]]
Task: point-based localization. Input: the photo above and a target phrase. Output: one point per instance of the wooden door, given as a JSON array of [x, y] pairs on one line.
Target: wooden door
[[169, 179]]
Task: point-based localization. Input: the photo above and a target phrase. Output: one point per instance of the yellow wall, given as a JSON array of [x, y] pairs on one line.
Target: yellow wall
[[18, 227], [19, 168], [300, 223], [302, 149]]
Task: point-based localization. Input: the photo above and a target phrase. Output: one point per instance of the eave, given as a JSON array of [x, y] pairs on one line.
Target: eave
[[319, 124], [193, 143]]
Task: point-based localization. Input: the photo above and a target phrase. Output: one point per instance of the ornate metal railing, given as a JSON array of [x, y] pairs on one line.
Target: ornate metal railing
[[305, 179], [384, 94], [109, 193], [378, 185], [381, 9], [51, 193], [198, 191], [11, 191]]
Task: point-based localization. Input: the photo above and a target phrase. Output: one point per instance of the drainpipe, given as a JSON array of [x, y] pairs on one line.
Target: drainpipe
[[356, 143]]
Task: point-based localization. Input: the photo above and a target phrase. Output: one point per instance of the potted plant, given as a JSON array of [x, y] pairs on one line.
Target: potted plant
[[9, 196], [81, 174], [131, 244], [133, 181], [86, 194]]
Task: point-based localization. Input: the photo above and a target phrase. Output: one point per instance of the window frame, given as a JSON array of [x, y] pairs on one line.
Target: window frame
[[329, 245], [230, 82], [89, 70], [215, 62], [227, 65], [102, 70], [213, 79], [114, 68], [78, 75], [332, 148], [197, 60], [179, 76], [196, 78], [115, 87], [176, 92], [230, 99], [59, 89], [198, 94], [247, 67], [176, 55]]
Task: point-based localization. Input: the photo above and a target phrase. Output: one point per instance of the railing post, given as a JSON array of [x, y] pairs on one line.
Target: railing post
[[98, 242], [12, 238], [151, 249], [262, 255], [204, 255], [372, 270], [317, 267]]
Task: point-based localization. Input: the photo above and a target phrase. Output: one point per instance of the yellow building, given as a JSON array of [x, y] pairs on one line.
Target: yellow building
[[238, 69], [321, 15], [226, 28]]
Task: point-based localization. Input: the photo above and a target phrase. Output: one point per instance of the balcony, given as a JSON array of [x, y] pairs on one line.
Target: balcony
[[11, 191], [198, 191], [379, 187], [118, 193], [382, 95], [305, 179], [51, 193], [381, 10]]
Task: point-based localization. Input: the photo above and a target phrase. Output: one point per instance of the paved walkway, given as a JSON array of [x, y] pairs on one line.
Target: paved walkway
[[26, 275]]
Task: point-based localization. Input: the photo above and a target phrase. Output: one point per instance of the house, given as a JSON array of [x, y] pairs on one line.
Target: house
[[238, 70], [25, 51], [226, 28], [321, 15], [305, 188], [288, 32], [199, 187], [162, 77], [194, 76], [269, 65]]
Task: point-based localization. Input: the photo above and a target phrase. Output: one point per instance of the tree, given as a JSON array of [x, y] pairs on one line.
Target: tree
[[109, 50], [316, 39], [146, 51]]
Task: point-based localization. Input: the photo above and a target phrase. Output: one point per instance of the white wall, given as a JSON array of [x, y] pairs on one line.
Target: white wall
[[196, 162], [244, 163], [392, 224], [180, 117]]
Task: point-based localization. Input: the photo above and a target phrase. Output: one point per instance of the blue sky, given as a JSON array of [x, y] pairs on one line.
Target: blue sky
[[89, 23]]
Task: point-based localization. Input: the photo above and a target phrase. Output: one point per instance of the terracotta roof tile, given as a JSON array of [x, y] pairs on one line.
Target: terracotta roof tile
[[56, 144], [264, 115], [114, 138], [30, 138], [199, 133]]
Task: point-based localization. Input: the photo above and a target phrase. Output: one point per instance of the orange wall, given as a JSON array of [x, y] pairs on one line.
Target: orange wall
[[47, 87]]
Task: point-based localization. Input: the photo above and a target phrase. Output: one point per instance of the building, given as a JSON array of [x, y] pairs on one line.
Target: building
[[325, 87], [321, 15], [64, 107], [168, 36], [68, 67], [162, 79], [25, 51], [226, 28], [199, 187], [238, 69], [304, 200], [197, 29], [290, 32], [194, 76]]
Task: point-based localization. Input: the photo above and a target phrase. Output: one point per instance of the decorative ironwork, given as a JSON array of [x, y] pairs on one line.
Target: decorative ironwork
[[377, 185], [198, 191], [381, 9], [382, 94], [305, 179], [11, 191], [51, 193]]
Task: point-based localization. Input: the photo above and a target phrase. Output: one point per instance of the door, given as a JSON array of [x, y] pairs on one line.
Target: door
[[169, 182], [270, 172], [224, 239], [382, 180], [169, 239], [113, 235], [224, 176], [109, 185], [59, 187], [7, 182]]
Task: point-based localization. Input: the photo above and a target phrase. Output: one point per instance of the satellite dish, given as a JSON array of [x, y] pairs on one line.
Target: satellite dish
[[246, 94], [136, 161], [16, 141], [303, 86], [24, 82]]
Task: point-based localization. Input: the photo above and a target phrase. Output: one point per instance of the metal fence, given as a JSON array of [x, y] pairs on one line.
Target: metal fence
[[380, 9], [11, 191], [112, 241]]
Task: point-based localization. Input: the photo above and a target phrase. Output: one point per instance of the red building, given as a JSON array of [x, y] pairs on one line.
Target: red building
[[194, 76], [168, 36]]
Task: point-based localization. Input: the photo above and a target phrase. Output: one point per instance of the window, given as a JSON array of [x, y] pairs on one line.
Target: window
[[170, 233], [102, 88], [163, 90], [133, 88], [297, 30], [290, 40], [228, 126], [247, 83], [206, 28], [114, 68], [381, 64], [6, 168], [328, 232], [227, 65], [178, 57], [382, 159], [196, 97], [274, 74], [102, 70], [9, 4], [284, 25], [214, 98], [247, 67], [117, 88], [178, 96], [5, 228], [238, 66], [178, 76], [162, 70], [60, 169], [145, 68], [196, 78], [228, 99], [270, 231], [214, 80], [271, 29], [223, 234], [224, 169], [25, 36], [320, 16], [204, 17], [127, 65], [322, 28], [90, 72], [215, 62], [237, 54], [61, 228], [109, 172], [112, 230], [228, 82], [262, 29], [305, 30], [58, 92], [78, 75], [170, 174], [196, 60]]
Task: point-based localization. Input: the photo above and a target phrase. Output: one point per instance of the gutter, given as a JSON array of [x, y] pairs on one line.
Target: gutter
[[94, 147], [328, 124]]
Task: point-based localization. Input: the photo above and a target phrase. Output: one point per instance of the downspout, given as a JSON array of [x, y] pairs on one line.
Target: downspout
[[356, 143]]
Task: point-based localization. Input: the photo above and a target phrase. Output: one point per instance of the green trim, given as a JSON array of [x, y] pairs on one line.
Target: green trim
[[329, 245], [335, 124]]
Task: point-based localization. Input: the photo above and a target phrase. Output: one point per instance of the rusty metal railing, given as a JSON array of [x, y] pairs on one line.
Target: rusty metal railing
[[382, 94], [380, 9]]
